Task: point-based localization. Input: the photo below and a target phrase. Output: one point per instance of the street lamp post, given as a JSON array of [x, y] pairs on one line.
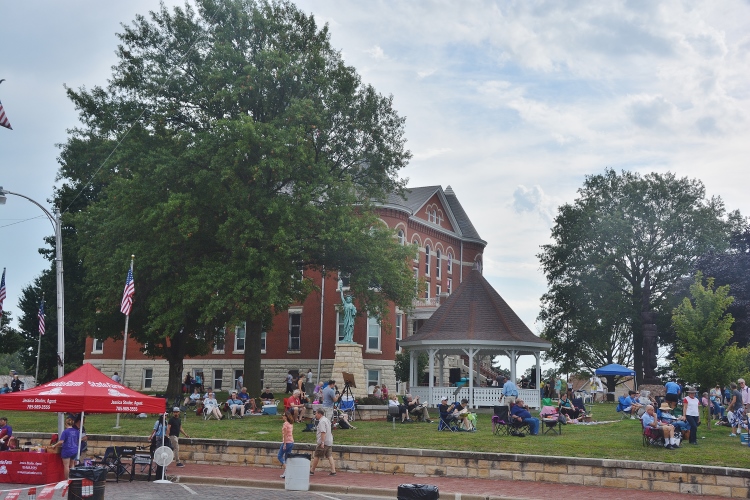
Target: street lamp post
[[57, 226]]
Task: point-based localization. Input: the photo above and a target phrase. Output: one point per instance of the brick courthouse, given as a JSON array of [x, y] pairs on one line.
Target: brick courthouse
[[449, 247]]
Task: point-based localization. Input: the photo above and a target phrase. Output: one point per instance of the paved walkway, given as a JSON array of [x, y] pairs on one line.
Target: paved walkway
[[385, 485]]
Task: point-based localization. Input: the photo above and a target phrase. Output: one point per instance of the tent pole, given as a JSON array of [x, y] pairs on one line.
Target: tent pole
[[80, 437]]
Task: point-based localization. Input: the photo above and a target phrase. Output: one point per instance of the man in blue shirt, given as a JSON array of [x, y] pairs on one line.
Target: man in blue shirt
[[673, 393], [631, 404], [330, 396], [652, 426], [519, 412], [510, 392]]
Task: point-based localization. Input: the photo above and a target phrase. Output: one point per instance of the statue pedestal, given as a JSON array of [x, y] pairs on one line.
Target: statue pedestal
[[348, 358]]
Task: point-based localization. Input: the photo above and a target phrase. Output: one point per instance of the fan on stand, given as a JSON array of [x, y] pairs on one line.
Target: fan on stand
[[163, 456]]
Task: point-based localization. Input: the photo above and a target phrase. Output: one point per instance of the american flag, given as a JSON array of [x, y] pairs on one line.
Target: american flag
[[127, 294], [41, 318], [2, 292], [4, 119]]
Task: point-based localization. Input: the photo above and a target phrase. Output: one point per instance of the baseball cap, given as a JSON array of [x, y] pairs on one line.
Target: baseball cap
[[176, 409]]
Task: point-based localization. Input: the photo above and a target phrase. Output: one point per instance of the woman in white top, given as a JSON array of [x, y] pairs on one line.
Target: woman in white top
[[691, 411], [212, 406]]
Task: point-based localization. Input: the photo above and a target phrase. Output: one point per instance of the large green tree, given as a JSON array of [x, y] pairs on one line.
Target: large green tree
[[704, 354], [247, 152], [622, 229]]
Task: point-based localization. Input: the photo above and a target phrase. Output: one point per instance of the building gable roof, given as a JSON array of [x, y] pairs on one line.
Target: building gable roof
[[417, 197], [476, 314]]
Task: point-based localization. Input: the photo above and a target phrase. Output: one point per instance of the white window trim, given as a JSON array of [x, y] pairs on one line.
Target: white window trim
[[94, 350], [379, 349], [338, 323], [344, 288], [426, 260], [438, 259], [236, 331], [221, 351], [377, 382], [264, 343], [143, 379], [450, 263], [296, 310], [213, 379]]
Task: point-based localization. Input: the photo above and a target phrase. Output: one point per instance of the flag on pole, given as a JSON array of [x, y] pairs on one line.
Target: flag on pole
[[127, 294], [4, 119], [41, 317], [2, 292]]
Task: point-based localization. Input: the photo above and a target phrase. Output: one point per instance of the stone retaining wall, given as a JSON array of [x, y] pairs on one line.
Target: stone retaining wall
[[651, 476]]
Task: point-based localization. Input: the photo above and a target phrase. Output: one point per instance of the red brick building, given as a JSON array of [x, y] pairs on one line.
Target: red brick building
[[449, 247]]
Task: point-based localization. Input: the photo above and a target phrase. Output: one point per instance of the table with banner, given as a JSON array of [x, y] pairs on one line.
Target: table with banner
[[22, 467]]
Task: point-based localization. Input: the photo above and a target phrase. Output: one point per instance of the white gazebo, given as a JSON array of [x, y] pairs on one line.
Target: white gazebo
[[473, 321]]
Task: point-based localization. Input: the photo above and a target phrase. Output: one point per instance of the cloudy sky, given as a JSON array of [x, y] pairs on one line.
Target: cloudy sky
[[510, 103]]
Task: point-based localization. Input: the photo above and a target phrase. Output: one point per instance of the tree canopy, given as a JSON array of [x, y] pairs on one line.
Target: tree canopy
[[622, 229], [246, 152], [704, 354]]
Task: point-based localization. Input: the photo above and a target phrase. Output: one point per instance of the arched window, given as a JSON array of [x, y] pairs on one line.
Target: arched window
[[427, 260], [401, 236], [437, 263], [450, 263]]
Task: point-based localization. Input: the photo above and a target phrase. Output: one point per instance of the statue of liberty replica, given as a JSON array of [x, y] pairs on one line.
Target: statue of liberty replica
[[349, 311]]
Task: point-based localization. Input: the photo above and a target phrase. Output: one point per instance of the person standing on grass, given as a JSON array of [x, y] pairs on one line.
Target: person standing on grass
[[287, 440], [174, 427], [324, 438], [734, 406], [68, 445], [691, 411]]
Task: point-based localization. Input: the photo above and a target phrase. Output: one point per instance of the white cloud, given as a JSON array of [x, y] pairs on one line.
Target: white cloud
[[376, 53]]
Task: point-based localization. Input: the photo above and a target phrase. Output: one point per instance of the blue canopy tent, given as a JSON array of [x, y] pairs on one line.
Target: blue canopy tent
[[615, 370]]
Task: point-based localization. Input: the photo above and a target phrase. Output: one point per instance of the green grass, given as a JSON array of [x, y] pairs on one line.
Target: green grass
[[616, 440]]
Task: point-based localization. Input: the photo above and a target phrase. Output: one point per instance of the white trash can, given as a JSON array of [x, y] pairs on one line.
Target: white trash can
[[297, 474]]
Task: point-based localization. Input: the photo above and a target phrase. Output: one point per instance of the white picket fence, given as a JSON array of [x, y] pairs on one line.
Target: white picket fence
[[483, 396]]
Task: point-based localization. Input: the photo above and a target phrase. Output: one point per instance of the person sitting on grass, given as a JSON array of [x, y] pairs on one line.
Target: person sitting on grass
[[519, 412], [267, 396], [249, 402], [295, 406], [461, 413], [567, 408], [632, 405], [236, 405], [211, 406], [401, 408], [653, 428], [414, 408], [682, 428], [192, 399]]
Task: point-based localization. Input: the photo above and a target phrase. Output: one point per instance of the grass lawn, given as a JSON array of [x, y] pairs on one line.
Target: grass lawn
[[617, 440]]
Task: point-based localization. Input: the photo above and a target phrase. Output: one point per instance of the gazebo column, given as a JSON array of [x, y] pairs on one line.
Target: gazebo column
[[412, 368], [441, 364], [471, 352], [513, 355], [431, 353], [537, 355]]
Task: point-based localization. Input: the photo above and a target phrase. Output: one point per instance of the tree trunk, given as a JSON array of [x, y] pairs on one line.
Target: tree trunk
[[175, 356], [252, 369], [637, 323]]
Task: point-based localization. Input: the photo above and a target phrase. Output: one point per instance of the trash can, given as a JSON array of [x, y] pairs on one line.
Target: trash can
[[88, 483], [297, 474], [417, 492]]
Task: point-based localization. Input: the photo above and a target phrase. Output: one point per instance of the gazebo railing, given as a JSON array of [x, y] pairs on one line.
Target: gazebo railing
[[484, 397]]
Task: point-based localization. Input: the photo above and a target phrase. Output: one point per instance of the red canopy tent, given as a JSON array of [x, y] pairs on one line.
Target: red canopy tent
[[83, 390]]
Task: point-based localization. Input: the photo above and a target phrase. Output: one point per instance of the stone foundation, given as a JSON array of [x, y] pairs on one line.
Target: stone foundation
[[649, 476]]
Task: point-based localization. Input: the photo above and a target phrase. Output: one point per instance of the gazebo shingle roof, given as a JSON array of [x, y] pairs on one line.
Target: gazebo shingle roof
[[476, 313]]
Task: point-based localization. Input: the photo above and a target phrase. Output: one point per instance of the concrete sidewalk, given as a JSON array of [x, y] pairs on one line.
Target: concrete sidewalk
[[385, 485]]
